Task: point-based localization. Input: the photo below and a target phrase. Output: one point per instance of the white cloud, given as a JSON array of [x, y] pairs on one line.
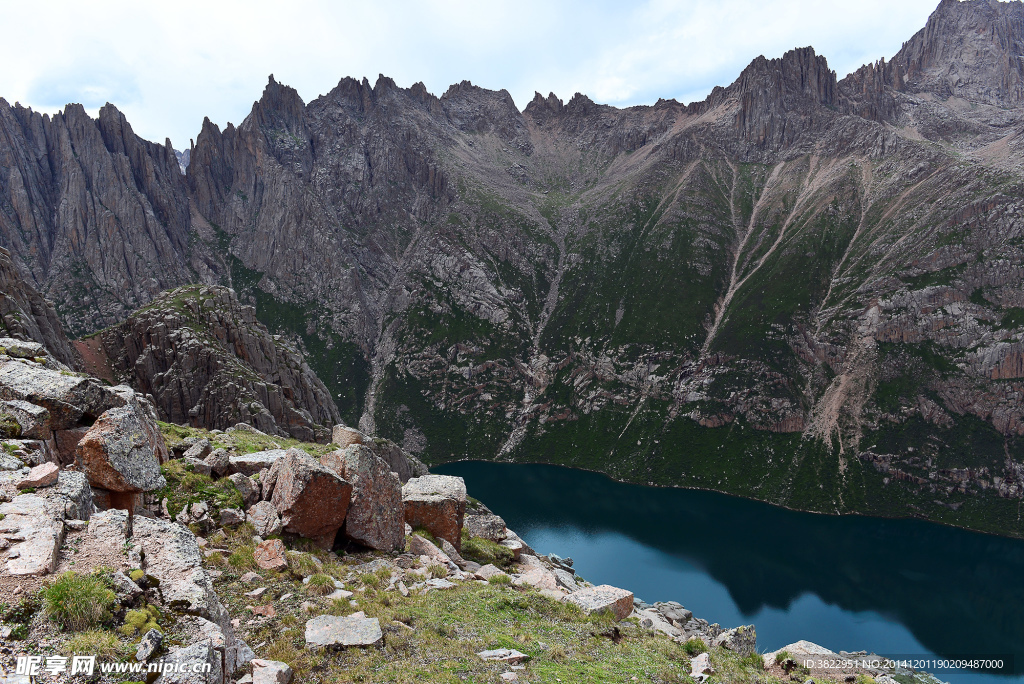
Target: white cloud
[[168, 64]]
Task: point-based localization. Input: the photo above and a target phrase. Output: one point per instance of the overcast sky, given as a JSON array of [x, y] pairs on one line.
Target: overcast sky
[[169, 64]]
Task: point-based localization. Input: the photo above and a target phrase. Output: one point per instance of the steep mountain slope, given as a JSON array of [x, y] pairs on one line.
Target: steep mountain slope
[[801, 289], [26, 315]]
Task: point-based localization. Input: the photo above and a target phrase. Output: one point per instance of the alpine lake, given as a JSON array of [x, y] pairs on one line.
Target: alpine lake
[[899, 588]]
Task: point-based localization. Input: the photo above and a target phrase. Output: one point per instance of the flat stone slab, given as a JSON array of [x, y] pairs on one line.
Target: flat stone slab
[[35, 528], [251, 464], [332, 631], [504, 655], [270, 555], [488, 571], [271, 672], [41, 476], [604, 598]]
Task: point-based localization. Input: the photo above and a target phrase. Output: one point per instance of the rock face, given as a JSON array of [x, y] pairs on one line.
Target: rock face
[[208, 362], [793, 254], [375, 513], [25, 315], [118, 454], [311, 499], [437, 503]]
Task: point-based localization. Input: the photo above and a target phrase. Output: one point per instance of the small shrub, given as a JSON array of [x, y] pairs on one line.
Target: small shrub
[[79, 602], [437, 570], [242, 557], [9, 426], [484, 551], [754, 661], [303, 564], [320, 585], [104, 644], [695, 646], [500, 580], [781, 656]]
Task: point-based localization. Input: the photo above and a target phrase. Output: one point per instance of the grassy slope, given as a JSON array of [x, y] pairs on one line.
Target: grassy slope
[[432, 637]]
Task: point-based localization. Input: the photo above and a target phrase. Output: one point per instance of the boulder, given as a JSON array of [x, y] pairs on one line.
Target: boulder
[[436, 503], [148, 645], [742, 640], [700, 667], [71, 399], [113, 527], [41, 476], [504, 655], [35, 527], [265, 519], [229, 517], [488, 571], [118, 454], [271, 672], [344, 437], [172, 555], [311, 499], [199, 450], [538, 578], [331, 631], [33, 420], [422, 546], [219, 462], [271, 555], [250, 464], [374, 517], [486, 526], [125, 588], [73, 490], [250, 492], [566, 580], [619, 602], [179, 665]]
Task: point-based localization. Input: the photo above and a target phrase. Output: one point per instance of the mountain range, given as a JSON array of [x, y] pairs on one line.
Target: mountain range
[[801, 289]]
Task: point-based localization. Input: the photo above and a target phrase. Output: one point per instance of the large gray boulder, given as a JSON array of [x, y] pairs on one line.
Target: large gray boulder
[[331, 631], [311, 499], [70, 399], [33, 420], [436, 503], [375, 515], [604, 598], [179, 665], [251, 464], [118, 452], [172, 555]]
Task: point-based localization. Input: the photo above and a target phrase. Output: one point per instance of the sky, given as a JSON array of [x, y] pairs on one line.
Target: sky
[[166, 65]]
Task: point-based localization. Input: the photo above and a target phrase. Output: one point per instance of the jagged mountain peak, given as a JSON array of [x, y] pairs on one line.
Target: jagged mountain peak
[[972, 49]]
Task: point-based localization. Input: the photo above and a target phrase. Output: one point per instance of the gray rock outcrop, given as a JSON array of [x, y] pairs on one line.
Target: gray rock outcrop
[[208, 362]]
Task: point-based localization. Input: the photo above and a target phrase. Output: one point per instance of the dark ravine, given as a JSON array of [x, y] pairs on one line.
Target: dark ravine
[[817, 280]]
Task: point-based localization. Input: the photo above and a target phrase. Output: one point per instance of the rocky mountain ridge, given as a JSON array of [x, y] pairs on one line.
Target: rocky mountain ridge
[[802, 289], [207, 361]]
